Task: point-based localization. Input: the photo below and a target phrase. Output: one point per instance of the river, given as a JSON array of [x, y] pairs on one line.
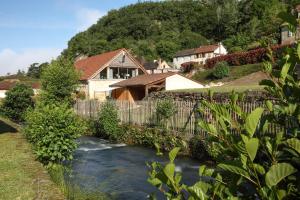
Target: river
[[119, 170]]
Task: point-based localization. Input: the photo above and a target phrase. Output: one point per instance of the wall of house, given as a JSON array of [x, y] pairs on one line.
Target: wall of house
[[179, 60], [2, 94], [99, 89], [177, 82], [128, 94]]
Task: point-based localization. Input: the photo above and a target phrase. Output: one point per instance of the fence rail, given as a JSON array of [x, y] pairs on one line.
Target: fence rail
[[144, 113]]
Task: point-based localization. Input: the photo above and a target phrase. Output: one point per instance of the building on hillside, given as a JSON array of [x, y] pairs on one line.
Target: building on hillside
[[286, 36], [100, 71], [10, 83], [139, 87], [158, 66], [198, 55]]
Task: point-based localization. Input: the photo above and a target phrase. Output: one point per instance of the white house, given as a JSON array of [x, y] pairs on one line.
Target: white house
[[100, 71], [198, 55], [10, 83], [158, 66]]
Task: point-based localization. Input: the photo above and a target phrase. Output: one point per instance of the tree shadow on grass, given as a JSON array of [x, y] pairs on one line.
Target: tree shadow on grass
[[5, 128]]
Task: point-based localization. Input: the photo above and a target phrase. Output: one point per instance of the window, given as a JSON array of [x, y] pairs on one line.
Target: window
[[103, 74], [122, 73], [290, 34]]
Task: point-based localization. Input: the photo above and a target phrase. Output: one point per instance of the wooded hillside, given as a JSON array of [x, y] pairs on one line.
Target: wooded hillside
[[159, 29]]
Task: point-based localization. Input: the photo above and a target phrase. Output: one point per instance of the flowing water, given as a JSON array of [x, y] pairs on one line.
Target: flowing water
[[119, 170]]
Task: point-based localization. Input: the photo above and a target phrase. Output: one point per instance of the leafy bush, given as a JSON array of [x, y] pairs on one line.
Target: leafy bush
[[53, 129], [151, 137], [107, 124], [165, 109], [255, 163], [198, 148], [17, 101], [249, 57], [59, 80], [221, 70]]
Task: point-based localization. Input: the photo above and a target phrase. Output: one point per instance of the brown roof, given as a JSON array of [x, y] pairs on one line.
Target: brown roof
[[185, 52], [207, 49], [143, 80], [91, 65], [8, 84], [201, 49]]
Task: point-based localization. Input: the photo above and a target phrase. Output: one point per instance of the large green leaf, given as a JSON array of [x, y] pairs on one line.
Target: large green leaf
[[252, 120], [236, 170], [169, 171], [199, 190], [173, 153], [278, 172], [284, 71], [208, 127], [252, 147], [294, 143]]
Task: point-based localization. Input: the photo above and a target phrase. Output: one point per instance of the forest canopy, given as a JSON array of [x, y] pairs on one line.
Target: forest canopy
[[160, 29]]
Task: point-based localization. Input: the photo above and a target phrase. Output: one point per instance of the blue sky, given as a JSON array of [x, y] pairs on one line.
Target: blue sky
[[38, 30]]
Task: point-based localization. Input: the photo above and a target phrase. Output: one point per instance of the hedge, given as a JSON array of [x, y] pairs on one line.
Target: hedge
[[249, 57]]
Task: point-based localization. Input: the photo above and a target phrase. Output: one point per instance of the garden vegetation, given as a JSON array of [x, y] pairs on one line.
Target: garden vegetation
[[252, 162]]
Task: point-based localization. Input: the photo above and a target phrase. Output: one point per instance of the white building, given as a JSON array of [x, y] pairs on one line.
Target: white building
[[100, 71], [198, 55], [158, 66]]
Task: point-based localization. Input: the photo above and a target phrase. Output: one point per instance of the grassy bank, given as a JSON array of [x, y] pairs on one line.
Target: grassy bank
[[234, 73], [22, 177]]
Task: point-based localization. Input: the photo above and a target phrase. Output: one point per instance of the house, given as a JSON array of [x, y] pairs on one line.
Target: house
[[288, 37], [10, 83], [198, 55], [100, 71], [158, 66], [140, 86]]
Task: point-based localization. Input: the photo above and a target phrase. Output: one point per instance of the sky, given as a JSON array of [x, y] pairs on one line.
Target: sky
[[36, 31]]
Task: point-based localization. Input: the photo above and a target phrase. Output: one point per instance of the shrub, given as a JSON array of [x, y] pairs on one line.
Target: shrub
[[53, 130], [59, 80], [17, 101], [221, 70], [249, 57], [107, 124], [198, 148], [151, 137], [165, 109]]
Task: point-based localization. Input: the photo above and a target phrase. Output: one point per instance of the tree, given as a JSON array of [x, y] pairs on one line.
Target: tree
[[35, 69], [59, 80], [17, 101], [167, 49]]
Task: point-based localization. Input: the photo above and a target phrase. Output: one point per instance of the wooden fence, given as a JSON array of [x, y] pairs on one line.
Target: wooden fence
[[144, 113]]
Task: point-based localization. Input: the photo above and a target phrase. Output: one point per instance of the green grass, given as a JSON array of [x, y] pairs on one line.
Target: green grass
[[22, 177], [235, 73]]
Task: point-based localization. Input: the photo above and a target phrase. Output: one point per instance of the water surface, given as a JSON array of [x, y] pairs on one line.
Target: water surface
[[119, 170]]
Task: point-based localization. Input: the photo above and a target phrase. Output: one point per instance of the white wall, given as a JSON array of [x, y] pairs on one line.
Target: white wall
[[177, 82], [97, 86], [221, 50], [2, 93]]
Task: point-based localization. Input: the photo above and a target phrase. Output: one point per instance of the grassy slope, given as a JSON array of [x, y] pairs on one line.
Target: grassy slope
[[21, 176], [236, 72]]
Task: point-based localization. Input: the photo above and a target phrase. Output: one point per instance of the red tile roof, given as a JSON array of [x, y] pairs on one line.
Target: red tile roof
[[206, 49], [143, 80], [201, 49], [8, 84], [91, 65]]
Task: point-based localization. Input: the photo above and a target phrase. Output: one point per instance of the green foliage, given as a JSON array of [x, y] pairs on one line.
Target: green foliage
[[151, 137], [107, 123], [221, 70], [52, 130], [153, 29], [17, 101], [59, 80], [254, 163], [35, 69], [165, 109]]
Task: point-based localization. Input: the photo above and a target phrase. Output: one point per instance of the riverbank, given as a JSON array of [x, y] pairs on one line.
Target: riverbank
[[22, 177]]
